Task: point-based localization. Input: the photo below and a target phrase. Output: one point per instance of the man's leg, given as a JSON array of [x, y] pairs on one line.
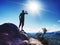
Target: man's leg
[[20, 24]]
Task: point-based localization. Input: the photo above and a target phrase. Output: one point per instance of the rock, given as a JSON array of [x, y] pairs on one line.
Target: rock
[[10, 35], [13, 31], [10, 28], [33, 41], [23, 35]]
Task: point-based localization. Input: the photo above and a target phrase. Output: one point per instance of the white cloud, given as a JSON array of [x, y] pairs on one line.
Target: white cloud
[[54, 25], [34, 29], [58, 21]]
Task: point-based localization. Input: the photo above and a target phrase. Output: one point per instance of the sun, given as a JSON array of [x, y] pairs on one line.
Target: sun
[[33, 7]]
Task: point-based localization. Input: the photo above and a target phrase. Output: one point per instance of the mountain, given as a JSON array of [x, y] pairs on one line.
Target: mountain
[[53, 34], [53, 38]]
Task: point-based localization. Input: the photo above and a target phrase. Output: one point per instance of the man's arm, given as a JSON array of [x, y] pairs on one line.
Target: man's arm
[[26, 12], [19, 16]]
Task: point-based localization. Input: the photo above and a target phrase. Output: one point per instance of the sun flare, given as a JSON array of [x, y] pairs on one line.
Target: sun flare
[[34, 7]]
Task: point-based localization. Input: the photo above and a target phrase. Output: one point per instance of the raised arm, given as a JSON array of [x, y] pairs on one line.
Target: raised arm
[[26, 12]]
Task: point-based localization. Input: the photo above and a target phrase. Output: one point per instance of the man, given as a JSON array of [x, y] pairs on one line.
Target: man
[[21, 18]]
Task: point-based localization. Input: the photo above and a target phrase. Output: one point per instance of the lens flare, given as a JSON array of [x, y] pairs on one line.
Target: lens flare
[[34, 7]]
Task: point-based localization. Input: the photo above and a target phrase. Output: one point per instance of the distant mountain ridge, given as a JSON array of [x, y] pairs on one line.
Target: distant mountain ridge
[[48, 35]]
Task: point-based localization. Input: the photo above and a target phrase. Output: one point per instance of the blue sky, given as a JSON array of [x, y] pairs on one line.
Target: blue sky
[[48, 16]]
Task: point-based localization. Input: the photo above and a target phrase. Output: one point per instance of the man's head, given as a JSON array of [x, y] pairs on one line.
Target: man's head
[[22, 11]]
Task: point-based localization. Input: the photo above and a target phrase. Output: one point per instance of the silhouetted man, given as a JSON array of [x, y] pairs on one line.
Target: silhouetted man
[[21, 18]]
